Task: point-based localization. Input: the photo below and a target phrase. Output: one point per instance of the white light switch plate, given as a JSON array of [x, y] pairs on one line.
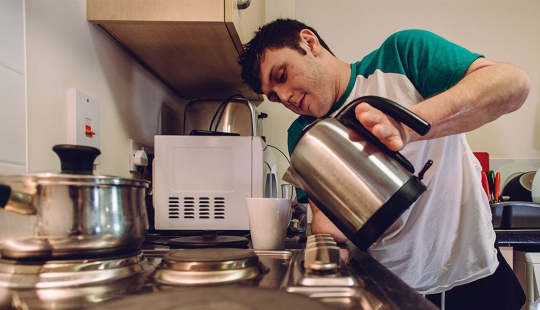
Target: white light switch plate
[[83, 111]]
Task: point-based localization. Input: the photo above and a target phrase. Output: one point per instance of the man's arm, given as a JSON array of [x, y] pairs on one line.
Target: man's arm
[[320, 224], [487, 91]]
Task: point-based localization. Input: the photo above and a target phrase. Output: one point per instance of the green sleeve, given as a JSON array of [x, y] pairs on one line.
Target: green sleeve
[[432, 63]]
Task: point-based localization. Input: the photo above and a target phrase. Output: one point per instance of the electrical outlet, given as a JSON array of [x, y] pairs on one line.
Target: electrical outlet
[[135, 146]]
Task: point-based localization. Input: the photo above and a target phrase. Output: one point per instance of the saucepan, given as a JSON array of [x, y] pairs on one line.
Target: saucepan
[[77, 213]]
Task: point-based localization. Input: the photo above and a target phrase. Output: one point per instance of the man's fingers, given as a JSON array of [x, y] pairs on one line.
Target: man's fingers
[[380, 125]]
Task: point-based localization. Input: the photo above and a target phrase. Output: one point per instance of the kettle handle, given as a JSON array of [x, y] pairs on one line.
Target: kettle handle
[[396, 111], [387, 106]]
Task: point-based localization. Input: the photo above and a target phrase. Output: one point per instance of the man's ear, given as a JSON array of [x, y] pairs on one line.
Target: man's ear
[[310, 40]]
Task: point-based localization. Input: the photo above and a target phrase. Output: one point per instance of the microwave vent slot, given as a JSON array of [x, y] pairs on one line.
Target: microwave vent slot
[[174, 208], [197, 208], [204, 207], [219, 207]]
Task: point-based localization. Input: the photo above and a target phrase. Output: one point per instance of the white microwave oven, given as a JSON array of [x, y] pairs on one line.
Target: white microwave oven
[[202, 182]]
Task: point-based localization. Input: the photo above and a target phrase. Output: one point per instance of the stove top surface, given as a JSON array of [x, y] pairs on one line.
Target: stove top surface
[[158, 275]]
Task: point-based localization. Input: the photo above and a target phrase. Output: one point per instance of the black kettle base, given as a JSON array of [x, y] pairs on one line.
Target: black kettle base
[[388, 213]]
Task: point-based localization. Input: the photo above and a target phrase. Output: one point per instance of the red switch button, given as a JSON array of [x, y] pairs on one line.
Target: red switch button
[[89, 132]]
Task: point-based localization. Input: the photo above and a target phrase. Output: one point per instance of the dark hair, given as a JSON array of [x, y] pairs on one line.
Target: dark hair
[[276, 34]]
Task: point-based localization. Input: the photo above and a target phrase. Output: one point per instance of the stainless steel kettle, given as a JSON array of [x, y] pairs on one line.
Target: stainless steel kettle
[[358, 183]]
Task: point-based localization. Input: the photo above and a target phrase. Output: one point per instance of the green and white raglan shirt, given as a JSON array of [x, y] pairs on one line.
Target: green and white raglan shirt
[[446, 238]]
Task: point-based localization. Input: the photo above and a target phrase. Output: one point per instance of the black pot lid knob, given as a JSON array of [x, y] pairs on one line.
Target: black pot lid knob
[[76, 159]]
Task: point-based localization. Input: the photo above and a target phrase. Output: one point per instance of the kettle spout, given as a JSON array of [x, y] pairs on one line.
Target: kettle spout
[[288, 177]]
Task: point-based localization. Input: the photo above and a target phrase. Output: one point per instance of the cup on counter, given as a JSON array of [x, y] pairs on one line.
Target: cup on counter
[[286, 191], [268, 222]]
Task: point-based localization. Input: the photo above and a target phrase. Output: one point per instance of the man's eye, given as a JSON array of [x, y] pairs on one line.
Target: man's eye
[[282, 77]]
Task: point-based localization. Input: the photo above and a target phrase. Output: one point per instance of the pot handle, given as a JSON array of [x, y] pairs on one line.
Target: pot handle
[[16, 202], [396, 111], [76, 159]]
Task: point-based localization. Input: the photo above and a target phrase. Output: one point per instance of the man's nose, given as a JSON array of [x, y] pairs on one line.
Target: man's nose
[[284, 94]]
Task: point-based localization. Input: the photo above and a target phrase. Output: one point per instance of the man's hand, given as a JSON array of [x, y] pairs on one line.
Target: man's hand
[[385, 128]]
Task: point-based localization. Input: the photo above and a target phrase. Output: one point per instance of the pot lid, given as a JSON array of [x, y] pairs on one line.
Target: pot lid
[[49, 178]]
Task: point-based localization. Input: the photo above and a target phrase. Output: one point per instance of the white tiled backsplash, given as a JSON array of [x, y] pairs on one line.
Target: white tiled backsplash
[[495, 163], [12, 88]]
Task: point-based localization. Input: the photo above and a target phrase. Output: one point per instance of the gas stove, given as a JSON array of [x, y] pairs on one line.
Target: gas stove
[[319, 273]]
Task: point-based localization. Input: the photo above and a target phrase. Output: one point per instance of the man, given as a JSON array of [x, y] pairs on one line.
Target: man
[[444, 245]]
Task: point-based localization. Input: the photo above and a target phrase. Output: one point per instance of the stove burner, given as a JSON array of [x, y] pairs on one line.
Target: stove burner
[[41, 274], [208, 266], [209, 239]]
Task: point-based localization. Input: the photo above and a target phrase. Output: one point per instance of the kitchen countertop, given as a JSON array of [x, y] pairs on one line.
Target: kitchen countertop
[[395, 290], [520, 239]]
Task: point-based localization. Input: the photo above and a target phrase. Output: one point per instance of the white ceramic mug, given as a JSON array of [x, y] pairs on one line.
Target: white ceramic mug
[[268, 222]]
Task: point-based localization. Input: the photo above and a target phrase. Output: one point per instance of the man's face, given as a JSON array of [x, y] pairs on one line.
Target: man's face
[[300, 82]]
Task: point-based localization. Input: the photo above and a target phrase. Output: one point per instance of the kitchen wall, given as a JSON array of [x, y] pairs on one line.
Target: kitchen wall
[[12, 88], [65, 51], [505, 31], [49, 47]]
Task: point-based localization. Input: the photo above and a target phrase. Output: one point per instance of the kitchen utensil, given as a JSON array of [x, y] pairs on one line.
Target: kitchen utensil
[[271, 181], [491, 182], [485, 184], [535, 190], [527, 179], [268, 222], [519, 187], [77, 213], [358, 183], [509, 171], [497, 186], [483, 158], [287, 191], [233, 115]]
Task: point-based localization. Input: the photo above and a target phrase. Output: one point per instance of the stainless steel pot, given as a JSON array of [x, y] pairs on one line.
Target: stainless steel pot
[[77, 213], [356, 181]]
